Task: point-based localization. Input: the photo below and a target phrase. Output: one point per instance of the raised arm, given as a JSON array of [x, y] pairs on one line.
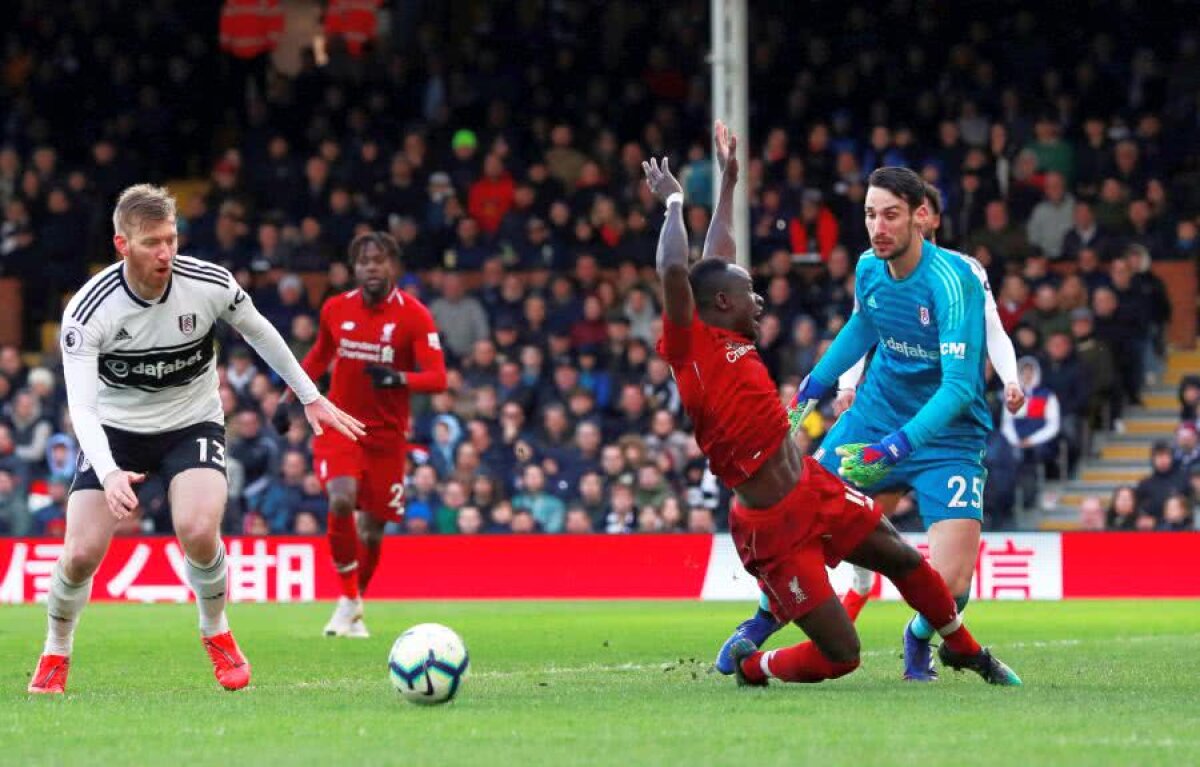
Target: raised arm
[[672, 255], [719, 242]]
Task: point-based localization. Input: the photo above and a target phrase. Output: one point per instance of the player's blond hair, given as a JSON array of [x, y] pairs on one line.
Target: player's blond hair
[[141, 203]]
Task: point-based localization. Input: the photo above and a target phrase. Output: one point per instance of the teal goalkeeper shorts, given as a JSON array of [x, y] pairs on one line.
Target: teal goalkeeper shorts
[[948, 483]]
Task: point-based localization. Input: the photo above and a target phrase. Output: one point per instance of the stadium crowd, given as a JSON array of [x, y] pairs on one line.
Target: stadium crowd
[[509, 170]]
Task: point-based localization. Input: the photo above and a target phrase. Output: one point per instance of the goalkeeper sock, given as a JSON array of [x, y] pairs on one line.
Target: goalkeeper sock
[[343, 545], [925, 591], [798, 663], [920, 627], [64, 602]]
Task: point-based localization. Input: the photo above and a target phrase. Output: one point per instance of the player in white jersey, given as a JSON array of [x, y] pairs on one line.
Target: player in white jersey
[[137, 347]]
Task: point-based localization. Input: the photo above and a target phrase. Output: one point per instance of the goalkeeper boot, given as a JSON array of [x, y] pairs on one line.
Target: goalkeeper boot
[[990, 668], [757, 629], [918, 658], [50, 678], [740, 650]]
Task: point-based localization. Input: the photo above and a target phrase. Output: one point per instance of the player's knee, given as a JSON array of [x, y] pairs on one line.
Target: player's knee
[[80, 560], [370, 536], [198, 537], [844, 653], [342, 505], [958, 581]]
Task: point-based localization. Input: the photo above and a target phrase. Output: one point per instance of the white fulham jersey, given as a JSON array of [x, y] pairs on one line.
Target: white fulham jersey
[[149, 367]]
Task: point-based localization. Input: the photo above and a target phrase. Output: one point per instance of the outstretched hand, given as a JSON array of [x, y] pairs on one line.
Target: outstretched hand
[[726, 151], [660, 180]]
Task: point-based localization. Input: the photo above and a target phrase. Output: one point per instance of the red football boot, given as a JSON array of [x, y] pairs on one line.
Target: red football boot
[[50, 678], [229, 665]]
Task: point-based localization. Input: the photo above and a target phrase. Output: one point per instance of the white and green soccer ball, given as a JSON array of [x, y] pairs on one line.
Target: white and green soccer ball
[[428, 664]]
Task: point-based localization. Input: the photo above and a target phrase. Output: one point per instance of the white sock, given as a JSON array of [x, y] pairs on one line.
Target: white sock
[[765, 664], [864, 580], [209, 583], [64, 603]]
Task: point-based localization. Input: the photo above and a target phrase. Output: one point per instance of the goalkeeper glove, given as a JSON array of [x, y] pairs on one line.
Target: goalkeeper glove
[[385, 378], [865, 464], [807, 396]]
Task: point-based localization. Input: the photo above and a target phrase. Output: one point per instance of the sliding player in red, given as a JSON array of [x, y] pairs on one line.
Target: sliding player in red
[[383, 345], [790, 518]]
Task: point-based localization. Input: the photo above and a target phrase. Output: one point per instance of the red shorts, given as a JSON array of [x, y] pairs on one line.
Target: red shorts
[[377, 466], [788, 546]]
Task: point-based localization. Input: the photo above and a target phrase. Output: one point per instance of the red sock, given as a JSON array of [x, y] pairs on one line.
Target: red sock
[[368, 559], [854, 603], [343, 545], [798, 663], [926, 592]]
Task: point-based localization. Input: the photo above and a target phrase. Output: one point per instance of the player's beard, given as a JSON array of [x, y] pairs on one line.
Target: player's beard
[[900, 246], [376, 295]]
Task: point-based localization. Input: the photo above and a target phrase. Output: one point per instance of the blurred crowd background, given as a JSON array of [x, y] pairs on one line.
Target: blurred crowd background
[[501, 144]]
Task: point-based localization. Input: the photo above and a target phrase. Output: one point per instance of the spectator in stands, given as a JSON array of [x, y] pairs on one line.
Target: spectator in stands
[[1047, 316], [459, 317], [30, 430], [470, 521], [1052, 218], [1121, 337], [1063, 375], [1090, 270], [1098, 368], [548, 510], [1122, 509], [240, 371], [257, 453], [1189, 397], [1135, 314], [621, 516], [284, 497], [14, 513], [1035, 429], [1177, 514], [51, 520], [454, 498], [1013, 302], [447, 435], [1164, 481], [1084, 234], [700, 520], [1091, 514], [999, 235], [1187, 449], [1153, 295]]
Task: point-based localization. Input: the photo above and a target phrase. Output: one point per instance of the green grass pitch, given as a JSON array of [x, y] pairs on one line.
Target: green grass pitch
[[565, 683]]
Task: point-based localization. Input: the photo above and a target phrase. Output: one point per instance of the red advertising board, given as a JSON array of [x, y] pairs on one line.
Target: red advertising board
[[283, 569]]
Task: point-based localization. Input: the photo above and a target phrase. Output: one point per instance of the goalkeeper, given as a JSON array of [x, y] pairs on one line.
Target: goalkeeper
[[921, 418]]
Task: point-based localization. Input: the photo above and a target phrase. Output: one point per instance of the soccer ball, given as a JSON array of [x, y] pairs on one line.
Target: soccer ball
[[428, 663]]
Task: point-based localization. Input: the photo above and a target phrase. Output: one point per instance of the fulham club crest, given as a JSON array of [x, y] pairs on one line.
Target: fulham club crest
[[187, 324], [924, 316]]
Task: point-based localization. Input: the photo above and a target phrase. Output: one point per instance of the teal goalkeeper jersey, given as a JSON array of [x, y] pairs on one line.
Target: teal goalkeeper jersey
[[927, 375]]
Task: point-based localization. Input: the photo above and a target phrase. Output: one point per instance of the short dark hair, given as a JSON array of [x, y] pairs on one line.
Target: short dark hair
[[902, 182], [933, 197], [384, 241], [708, 277]]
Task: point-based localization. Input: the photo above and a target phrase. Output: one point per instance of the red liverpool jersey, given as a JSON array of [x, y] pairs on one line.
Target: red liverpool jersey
[[397, 332], [735, 408]]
